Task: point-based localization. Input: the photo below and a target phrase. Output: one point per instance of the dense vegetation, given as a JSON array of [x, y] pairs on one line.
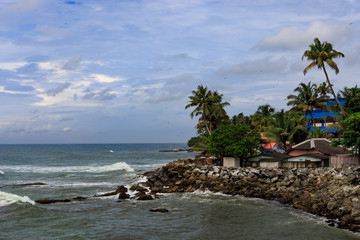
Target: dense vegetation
[[225, 136]]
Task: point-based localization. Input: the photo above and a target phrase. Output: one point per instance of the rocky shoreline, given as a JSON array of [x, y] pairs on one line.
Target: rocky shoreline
[[332, 193]]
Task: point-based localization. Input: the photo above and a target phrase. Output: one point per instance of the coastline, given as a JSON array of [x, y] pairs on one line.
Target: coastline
[[327, 192]]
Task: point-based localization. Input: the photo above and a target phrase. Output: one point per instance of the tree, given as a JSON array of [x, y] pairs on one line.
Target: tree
[[237, 141], [210, 107], [351, 134], [262, 116], [319, 54], [352, 99], [286, 128], [307, 99]]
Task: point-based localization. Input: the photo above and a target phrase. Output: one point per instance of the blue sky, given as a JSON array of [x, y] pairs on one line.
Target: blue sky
[[120, 71]]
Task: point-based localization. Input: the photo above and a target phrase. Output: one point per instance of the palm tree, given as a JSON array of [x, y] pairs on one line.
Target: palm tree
[[262, 115], [209, 106], [352, 98], [319, 54], [287, 128], [306, 100]]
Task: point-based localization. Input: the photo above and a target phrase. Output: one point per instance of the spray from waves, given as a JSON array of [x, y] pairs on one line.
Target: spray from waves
[[119, 166], [9, 198]]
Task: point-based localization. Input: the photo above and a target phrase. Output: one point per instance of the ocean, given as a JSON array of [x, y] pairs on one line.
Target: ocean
[[72, 170]]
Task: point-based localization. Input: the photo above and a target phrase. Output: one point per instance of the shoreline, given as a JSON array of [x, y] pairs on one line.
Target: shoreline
[[326, 192]]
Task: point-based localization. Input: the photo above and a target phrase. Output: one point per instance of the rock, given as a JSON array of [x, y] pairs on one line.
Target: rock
[[79, 198], [48, 201], [161, 210], [123, 195], [31, 184], [143, 196]]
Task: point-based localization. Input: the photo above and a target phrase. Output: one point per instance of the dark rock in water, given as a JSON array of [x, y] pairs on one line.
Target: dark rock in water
[[31, 184], [79, 198], [123, 196], [143, 196], [48, 201], [138, 188], [121, 189], [107, 194], [162, 210]]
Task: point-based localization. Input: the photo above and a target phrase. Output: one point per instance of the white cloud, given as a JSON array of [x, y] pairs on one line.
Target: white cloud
[[3, 90], [66, 129], [102, 78], [12, 66], [294, 37]]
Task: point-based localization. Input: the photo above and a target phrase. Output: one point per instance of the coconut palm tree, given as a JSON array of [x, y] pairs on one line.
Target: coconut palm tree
[[319, 54], [262, 115], [210, 107], [306, 100]]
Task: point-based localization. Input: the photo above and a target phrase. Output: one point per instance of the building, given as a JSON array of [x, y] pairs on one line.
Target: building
[[325, 118]]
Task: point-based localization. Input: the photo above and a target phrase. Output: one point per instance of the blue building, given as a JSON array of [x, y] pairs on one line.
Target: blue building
[[330, 117]]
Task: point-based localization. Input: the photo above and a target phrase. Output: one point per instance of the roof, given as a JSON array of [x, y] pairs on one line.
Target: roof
[[320, 144], [272, 157], [270, 145]]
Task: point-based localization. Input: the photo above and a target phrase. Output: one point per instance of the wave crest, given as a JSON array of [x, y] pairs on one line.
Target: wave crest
[[9, 198], [119, 166]]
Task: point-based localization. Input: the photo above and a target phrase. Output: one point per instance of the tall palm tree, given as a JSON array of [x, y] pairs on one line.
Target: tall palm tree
[[306, 100], [319, 54], [209, 106]]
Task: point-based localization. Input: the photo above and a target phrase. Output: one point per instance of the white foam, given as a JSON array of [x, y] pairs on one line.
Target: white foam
[[9, 198], [1, 172], [119, 166]]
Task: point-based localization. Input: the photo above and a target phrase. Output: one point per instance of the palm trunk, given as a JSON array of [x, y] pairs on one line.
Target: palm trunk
[[333, 93], [312, 119]]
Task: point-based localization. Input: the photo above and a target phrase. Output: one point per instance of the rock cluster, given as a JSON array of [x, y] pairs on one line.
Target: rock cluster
[[329, 192]]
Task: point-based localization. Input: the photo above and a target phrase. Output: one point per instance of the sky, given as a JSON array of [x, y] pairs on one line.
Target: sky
[[121, 71]]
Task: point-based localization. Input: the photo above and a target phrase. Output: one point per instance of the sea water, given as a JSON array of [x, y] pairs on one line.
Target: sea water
[[69, 171]]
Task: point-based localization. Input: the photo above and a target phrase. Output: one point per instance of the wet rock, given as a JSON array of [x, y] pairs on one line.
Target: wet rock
[[49, 201], [143, 197], [161, 210], [79, 198], [31, 184]]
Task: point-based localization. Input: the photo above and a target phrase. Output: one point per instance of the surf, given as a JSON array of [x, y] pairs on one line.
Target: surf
[[9, 198], [118, 166]]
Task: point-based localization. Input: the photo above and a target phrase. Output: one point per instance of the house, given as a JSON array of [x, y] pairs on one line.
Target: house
[[306, 161], [324, 118], [268, 160], [315, 148]]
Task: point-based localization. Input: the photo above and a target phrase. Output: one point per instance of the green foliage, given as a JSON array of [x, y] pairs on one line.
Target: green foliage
[[197, 143], [209, 106], [351, 134], [321, 54], [287, 128], [307, 98], [237, 141], [352, 99]]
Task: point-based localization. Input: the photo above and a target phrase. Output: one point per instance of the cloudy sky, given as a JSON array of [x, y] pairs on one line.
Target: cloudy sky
[[121, 71]]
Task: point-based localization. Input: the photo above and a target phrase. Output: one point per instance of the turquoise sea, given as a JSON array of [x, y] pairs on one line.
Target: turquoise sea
[[72, 170]]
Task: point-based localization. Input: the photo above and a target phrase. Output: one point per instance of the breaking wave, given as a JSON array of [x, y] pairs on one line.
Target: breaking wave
[[9, 198], [1, 172], [119, 166]]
